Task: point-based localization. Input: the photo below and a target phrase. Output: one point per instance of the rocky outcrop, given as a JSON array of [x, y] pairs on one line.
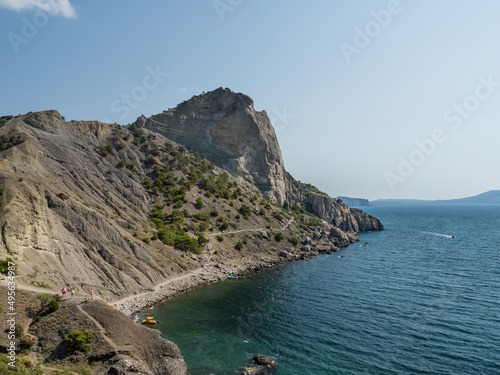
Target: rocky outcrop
[[261, 365], [342, 216], [225, 127]]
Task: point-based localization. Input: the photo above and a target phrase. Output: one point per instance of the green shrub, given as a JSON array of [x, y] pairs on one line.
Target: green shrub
[[202, 240], [105, 150], [79, 340], [279, 237], [220, 238], [239, 246], [53, 305], [146, 240], [4, 265], [120, 146], [294, 241], [199, 204], [245, 210]]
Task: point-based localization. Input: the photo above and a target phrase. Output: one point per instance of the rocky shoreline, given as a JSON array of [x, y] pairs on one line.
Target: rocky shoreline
[[133, 304]]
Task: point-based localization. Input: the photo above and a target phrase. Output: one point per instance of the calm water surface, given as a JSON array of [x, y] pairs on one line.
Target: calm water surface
[[414, 301]]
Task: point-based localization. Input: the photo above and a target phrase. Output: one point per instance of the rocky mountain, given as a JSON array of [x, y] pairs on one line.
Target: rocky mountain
[[225, 127], [121, 209]]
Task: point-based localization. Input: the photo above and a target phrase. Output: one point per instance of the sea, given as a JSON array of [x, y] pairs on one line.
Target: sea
[[421, 297]]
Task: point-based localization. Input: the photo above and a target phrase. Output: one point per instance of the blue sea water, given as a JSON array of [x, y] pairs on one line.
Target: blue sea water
[[413, 301]]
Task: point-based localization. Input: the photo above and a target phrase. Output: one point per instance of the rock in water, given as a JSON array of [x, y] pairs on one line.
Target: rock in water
[[262, 365]]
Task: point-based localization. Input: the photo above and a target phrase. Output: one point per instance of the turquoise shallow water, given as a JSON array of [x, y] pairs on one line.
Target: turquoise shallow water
[[414, 301]]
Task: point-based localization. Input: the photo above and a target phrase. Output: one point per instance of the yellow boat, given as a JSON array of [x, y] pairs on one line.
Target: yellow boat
[[150, 320]]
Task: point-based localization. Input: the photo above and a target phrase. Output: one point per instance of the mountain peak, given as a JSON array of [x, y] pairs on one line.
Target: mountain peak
[[225, 127]]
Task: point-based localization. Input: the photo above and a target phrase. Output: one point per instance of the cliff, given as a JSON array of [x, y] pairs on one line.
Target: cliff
[[123, 209], [225, 127]]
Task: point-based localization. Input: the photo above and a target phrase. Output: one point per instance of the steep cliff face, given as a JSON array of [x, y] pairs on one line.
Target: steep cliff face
[[226, 128]]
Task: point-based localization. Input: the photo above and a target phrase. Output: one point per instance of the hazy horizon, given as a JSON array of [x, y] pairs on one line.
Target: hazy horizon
[[369, 99]]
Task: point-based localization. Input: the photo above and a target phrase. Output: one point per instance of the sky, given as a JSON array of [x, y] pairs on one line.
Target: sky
[[370, 99]]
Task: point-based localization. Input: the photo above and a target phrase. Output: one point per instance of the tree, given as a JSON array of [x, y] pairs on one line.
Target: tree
[[245, 210], [279, 237], [79, 340], [199, 204]]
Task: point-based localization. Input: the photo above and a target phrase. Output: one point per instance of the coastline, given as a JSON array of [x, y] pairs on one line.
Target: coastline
[[133, 304]]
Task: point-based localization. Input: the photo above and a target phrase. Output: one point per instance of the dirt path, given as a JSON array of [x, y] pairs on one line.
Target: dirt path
[[98, 325], [126, 300]]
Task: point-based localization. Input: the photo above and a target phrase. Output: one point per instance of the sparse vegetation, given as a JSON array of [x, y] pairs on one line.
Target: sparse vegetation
[[6, 143], [79, 340]]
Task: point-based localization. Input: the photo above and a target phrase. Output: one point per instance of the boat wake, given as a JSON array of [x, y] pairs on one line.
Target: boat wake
[[440, 234]]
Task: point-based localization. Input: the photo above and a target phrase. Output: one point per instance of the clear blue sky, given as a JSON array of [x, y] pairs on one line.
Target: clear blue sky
[[351, 86]]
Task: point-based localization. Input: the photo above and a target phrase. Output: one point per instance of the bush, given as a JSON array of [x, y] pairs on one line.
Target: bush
[[79, 340], [4, 265], [185, 242], [28, 341], [294, 241], [245, 210], [146, 240], [239, 246], [105, 150], [199, 204], [53, 305], [214, 212], [220, 238], [224, 225], [120, 146], [202, 240], [279, 237]]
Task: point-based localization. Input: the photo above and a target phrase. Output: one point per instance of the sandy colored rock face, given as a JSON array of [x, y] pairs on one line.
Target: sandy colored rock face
[[226, 128]]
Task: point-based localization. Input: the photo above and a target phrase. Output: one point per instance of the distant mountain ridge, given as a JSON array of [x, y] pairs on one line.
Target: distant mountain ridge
[[489, 197], [354, 201]]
